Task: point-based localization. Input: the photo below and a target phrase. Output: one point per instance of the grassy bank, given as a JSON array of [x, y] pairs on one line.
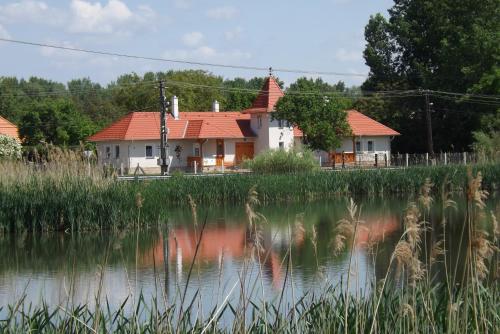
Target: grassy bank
[[407, 298], [74, 197]]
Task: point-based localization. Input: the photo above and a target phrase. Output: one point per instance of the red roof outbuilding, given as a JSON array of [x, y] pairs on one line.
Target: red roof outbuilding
[[8, 129]]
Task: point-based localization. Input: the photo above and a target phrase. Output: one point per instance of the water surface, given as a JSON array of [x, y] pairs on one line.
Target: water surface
[[70, 269]]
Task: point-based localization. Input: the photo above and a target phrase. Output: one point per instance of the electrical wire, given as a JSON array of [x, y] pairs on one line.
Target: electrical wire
[[177, 61]]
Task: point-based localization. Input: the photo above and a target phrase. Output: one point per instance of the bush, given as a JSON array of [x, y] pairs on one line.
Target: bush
[[281, 161], [10, 148], [487, 145]]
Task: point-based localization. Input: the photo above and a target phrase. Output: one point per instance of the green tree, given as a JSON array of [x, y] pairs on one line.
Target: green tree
[[54, 121], [440, 45], [322, 118]]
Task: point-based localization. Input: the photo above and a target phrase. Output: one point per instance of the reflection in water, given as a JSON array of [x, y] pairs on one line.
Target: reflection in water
[[62, 268]]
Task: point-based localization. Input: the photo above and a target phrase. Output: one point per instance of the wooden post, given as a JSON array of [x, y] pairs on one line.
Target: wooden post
[[376, 160], [427, 159], [465, 158], [320, 161], [195, 166], [407, 160], [121, 169], [343, 159], [385, 160], [445, 159]]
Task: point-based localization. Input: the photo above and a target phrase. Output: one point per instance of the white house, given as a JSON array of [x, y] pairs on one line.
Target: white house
[[215, 139]]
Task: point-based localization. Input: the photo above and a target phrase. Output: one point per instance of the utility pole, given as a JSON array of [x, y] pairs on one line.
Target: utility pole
[[163, 132], [430, 144]]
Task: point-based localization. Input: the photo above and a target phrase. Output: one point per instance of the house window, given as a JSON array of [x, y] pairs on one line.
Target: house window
[[358, 146], [280, 123], [281, 145], [259, 122], [108, 152], [117, 151], [196, 149], [371, 146], [149, 151]]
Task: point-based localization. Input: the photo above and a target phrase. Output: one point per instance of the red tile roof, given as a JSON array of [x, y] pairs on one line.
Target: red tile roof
[[7, 128], [363, 125], [267, 98], [193, 125]]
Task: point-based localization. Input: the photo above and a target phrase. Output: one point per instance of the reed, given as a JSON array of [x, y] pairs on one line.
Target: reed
[[73, 196]]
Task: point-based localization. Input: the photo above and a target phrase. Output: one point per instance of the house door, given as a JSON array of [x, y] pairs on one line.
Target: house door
[[219, 152], [243, 151]]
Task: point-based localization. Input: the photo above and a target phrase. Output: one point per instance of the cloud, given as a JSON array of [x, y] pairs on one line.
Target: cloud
[[348, 55], [82, 16], [192, 38], [112, 17], [203, 53], [4, 33], [183, 4], [31, 11], [222, 13], [233, 34], [95, 18]]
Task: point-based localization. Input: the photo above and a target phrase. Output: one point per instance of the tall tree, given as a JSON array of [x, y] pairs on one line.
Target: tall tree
[[54, 121], [322, 118], [441, 45]]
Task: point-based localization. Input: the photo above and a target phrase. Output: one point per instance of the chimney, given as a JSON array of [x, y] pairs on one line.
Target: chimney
[[175, 107], [215, 106]]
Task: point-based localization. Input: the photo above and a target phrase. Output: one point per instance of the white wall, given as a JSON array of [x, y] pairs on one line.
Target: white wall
[[134, 152], [382, 144], [261, 130], [113, 160], [277, 134], [269, 134]]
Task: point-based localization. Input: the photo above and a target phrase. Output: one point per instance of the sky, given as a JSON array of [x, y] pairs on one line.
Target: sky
[[320, 35]]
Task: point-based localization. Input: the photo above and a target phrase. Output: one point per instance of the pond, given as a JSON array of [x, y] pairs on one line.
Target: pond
[[232, 257]]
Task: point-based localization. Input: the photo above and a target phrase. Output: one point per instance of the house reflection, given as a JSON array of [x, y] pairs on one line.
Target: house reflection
[[232, 241]]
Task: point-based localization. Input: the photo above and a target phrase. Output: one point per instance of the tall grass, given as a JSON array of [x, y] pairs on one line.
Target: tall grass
[[74, 196], [406, 299], [281, 161]]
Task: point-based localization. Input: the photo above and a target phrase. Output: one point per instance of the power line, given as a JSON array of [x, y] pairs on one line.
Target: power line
[[177, 61], [482, 96]]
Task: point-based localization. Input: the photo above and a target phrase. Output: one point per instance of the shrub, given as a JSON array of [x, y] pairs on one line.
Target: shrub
[[487, 145], [281, 161], [10, 148]]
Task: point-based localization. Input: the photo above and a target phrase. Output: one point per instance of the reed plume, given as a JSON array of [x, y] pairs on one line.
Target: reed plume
[[345, 228], [481, 247], [407, 250]]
